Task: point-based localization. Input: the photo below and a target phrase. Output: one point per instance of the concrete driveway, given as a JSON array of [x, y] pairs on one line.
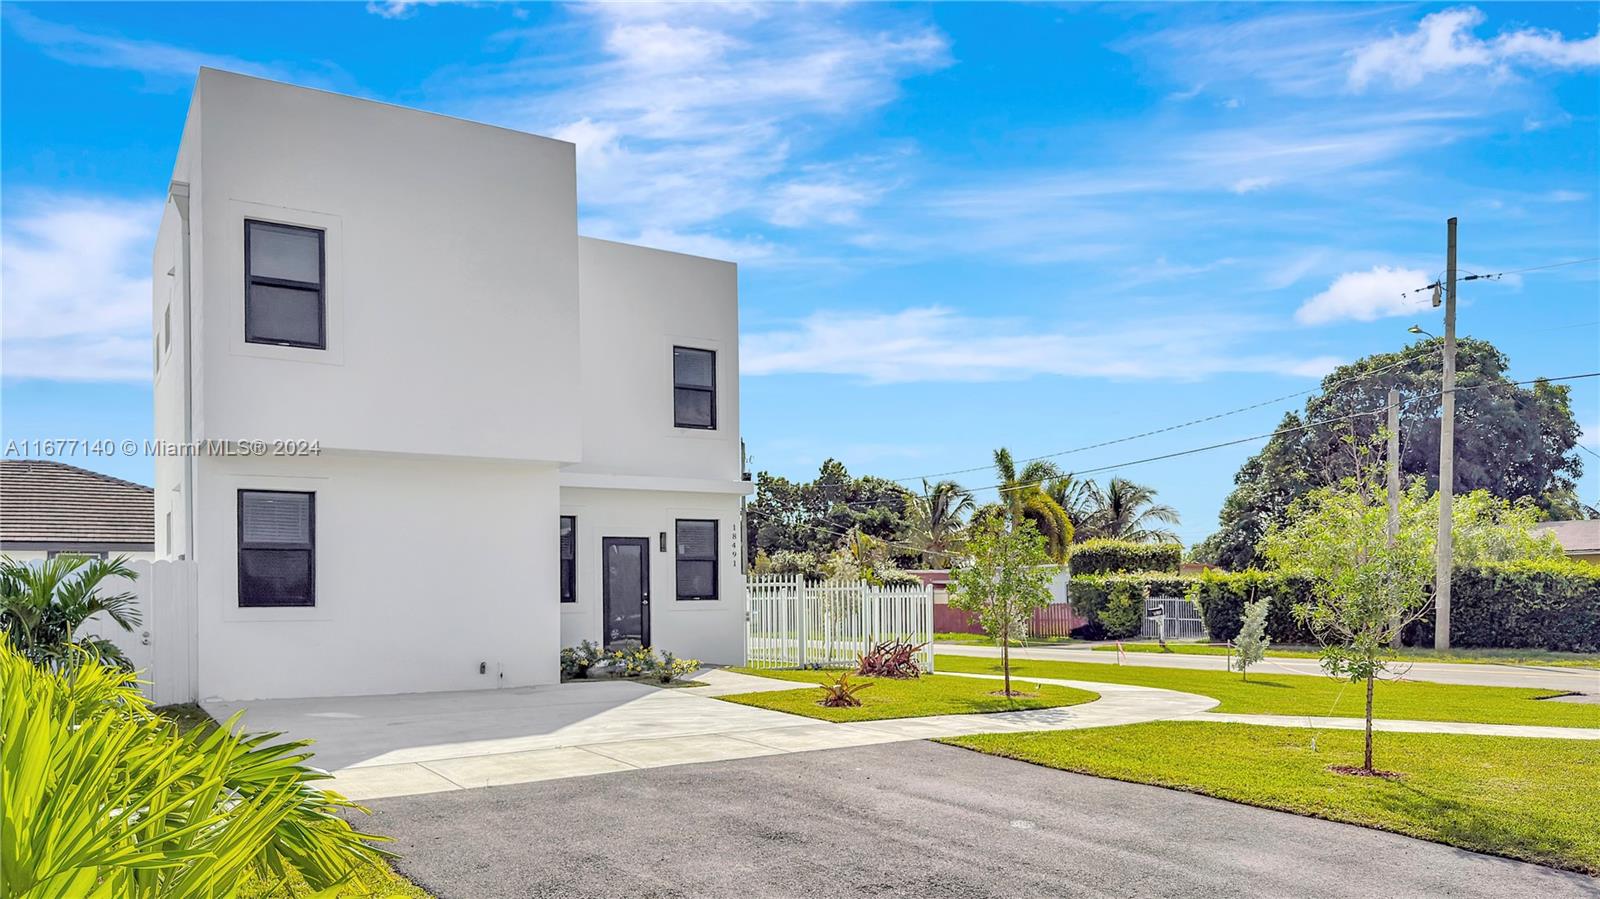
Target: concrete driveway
[[907, 819], [382, 746], [1576, 680]]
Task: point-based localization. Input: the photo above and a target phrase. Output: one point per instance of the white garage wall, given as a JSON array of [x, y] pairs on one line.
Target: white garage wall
[[425, 568], [708, 630]]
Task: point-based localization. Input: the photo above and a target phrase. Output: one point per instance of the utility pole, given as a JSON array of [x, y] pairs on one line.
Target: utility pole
[[1447, 449], [1391, 464]]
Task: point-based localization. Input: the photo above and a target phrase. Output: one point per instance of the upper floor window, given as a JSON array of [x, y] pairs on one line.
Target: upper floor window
[[284, 278], [697, 558], [277, 548], [694, 388], [569, 558]]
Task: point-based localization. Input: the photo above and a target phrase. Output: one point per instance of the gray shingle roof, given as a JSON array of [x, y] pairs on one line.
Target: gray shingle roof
[[1574, 536], [51, 502]]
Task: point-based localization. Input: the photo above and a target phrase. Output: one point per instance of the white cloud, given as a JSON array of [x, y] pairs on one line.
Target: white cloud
[[76, 272], [932, 344], [397, 9], [695, 115], [1366, 296], [152, 59], [1445, 42]]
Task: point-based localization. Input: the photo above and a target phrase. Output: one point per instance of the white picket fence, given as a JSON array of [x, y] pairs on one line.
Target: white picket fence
[[790, 623], [162, 646]]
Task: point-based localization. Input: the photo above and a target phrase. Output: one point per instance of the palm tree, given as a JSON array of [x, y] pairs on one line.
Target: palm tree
[[1125, 510], [1023, 496], [1077, 498], [935, 518], [42, 606]]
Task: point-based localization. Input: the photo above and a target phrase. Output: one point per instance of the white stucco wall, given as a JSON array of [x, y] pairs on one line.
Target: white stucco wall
[[451, 282], [637, 303], [424, 569], [709, 630]]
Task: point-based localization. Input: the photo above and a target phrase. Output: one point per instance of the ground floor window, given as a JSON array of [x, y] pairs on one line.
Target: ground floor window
[[569, 553], [277, 548], [697, 558]]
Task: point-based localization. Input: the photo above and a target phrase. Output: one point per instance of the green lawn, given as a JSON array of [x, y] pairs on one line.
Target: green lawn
[[1301, 694], [377, 880], [889, 698], [986, 640], [1509, 796], [1409, 654]]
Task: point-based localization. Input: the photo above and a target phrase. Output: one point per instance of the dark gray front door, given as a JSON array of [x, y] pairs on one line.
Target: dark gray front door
[[627, 589]]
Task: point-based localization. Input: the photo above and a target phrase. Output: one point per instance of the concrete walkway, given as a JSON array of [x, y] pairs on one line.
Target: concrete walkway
[[1575, 680], [429, 743]]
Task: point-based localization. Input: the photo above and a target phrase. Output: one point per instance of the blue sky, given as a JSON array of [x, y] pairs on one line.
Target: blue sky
[[958, 226]]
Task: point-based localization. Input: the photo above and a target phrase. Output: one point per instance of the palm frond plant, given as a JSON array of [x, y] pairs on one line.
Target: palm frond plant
[[840, 693], [42, 605], [935, 519], [1125, 510], [104, 799], [1024, 497]]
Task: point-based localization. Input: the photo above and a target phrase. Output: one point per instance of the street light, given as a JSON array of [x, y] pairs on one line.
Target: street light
[[1417, 329]]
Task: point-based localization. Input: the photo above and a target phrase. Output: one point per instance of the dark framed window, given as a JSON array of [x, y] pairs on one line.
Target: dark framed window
[[694, 388], [569, 558], [697, 558], [285, 270], [277, 548]]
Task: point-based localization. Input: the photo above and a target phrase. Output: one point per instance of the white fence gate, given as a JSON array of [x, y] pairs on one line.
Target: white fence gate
[[790, 624], [162, 646]]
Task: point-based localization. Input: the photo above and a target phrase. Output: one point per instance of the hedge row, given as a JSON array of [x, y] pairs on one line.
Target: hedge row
[[1112, 556], [1552, 605], [1221, 597], [1095, 594]]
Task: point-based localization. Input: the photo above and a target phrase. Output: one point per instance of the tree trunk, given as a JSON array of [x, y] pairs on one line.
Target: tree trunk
[[1005, 655], [1367, 760]]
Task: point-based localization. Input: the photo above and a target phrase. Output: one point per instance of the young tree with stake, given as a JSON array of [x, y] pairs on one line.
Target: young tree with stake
[[1004, 577], [1250, 646]]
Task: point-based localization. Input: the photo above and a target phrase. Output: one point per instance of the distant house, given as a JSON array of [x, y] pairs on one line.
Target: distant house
[[49, 508], [1580, 539]]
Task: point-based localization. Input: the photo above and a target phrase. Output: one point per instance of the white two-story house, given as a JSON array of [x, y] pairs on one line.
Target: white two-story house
[[422, 433]]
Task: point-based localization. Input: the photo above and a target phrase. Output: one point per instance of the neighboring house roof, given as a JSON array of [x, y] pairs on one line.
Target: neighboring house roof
[[49, 503], [1575, 537]]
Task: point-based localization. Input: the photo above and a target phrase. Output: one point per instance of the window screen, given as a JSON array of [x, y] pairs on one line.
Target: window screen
[[277, 548], [694, 388], [284, 273], [697, 558], [569, 561]]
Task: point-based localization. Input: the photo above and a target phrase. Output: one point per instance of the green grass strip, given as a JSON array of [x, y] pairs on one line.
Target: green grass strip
[[890, 698]]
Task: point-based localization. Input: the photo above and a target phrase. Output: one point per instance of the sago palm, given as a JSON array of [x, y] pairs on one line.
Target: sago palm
[[935, 518], [1024, 496], [42, 605], [1125, 510]]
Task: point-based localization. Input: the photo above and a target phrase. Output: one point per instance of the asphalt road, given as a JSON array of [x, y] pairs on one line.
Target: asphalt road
[[1577, 680], [907, 820]]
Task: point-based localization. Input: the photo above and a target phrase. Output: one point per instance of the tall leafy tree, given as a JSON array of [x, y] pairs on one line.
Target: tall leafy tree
[[814, 516], [1024, 497], [1516, 441], [935, 518], [1124, 510]]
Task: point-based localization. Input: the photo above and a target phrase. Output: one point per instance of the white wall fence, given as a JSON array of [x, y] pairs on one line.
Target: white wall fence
[[790, 623], [162, 646]]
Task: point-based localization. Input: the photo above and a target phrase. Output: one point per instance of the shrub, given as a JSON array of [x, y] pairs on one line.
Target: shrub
[[670, 668], [1123, 615], [577, 660], [1221, 597], [105, 798], [634, 660], [42, 606], [891, 658], [839, 693], [1112, 556], [1553, 605], [1091, 595]]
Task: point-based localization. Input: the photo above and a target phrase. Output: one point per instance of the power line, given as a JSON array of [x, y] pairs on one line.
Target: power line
[[1495, 276]]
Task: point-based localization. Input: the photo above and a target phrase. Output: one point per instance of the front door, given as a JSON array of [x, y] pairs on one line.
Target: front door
[[626, 590]]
